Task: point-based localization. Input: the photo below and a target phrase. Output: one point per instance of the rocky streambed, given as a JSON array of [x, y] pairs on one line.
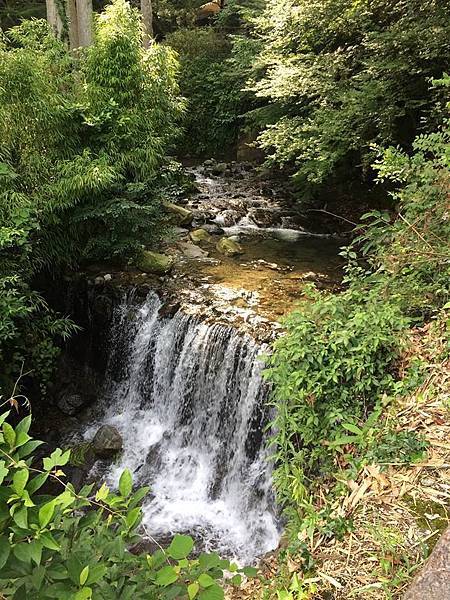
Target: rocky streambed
[[166, 377]]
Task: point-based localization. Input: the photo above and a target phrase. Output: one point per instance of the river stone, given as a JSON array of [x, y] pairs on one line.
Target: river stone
[[433, 580], [213, 229], [219, 168], [199, 236], [183, 216], [153, 262], [107, 441], [191, 250], [229, 247], [71, 404]]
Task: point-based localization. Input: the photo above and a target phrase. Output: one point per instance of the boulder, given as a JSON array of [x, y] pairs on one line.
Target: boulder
[[182, 215], [433, 580], [153, 262], [200, 236], [107, 442], [191, 250], [229, 247], [213, 229], [71, 404], [219, 168]]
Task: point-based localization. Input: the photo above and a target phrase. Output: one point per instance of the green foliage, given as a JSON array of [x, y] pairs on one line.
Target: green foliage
[[335, 371], [337, 76], [76, 544], [82, 142], [212, 81]]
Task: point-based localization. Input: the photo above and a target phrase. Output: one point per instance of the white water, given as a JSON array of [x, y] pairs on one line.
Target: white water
[[188, 399]]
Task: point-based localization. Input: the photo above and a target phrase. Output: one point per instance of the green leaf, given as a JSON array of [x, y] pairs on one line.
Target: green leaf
[[3, 471], [24, 425], [36, 551], [193, 590], [133, 516], [22, 552], [236, 580], [213, 592], [250, 571], [84, 594], [102, 493], [5, 550], [96, 573], [84, 575], [46, 513], [126, 483], [352, 428], [21, 517], [9, 434], [48, 541], [166, 576], [180, 547], [20, 481], [37, 482], [206, 580]]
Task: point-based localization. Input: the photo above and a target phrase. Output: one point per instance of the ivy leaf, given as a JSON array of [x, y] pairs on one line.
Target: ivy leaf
[[180, 547], [166, 576]]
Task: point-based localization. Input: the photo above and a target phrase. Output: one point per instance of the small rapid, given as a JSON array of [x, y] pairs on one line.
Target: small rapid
[[189, 401]]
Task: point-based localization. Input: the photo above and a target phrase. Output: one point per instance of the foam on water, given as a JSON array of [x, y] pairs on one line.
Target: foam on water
[[188, 399]]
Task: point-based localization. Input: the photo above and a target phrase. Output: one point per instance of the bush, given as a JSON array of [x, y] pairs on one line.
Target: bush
[[76, 545]]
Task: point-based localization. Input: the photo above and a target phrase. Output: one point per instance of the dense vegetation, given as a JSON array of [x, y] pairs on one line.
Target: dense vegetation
[[350, 100], [83, 141]]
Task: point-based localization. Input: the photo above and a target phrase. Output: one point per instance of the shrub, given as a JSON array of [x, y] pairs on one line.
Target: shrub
[[76, 545]]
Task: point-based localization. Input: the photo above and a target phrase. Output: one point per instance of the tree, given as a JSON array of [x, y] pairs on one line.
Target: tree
[[71, 20], [147, 18], [84, 19], [54, 17]]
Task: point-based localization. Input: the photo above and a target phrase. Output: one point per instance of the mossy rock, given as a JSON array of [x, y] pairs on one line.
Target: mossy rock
[[229, 247], [182, 215], [200, 236], [155, 263]]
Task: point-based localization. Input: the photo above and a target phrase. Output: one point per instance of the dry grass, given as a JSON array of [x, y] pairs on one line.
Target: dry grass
[[398, 511]]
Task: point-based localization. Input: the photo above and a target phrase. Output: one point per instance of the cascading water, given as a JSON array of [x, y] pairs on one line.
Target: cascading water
[[188, 399]]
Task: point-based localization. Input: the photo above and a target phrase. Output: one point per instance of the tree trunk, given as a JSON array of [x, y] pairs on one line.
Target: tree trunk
[[54, 18], [72, 17], [84, 14], [147, 16]]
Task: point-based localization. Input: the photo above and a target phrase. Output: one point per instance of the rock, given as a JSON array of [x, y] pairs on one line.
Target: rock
[[234, 238], [99, 280], [229, 247], [209, 162], [191, 250], [107, 277], [153, 262], [247, 150], [107, 441], [71, 404], [213, 229], [183, 216], [199, 236], [168, 310], [219, 168], [180, 231], [227, 218], [433, 580]]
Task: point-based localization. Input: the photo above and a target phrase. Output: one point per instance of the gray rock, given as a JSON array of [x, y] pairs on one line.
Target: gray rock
[[191, 250], [433, 580], [219, 169], [182, 215], [99, 280], [71, 404], [153, 262], [107, 441], [107, 277], [213, 229]]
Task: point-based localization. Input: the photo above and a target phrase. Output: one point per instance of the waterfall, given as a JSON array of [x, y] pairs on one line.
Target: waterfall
[[189, 401]]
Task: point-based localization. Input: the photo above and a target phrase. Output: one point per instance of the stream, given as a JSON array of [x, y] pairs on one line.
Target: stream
[[185, 389]]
